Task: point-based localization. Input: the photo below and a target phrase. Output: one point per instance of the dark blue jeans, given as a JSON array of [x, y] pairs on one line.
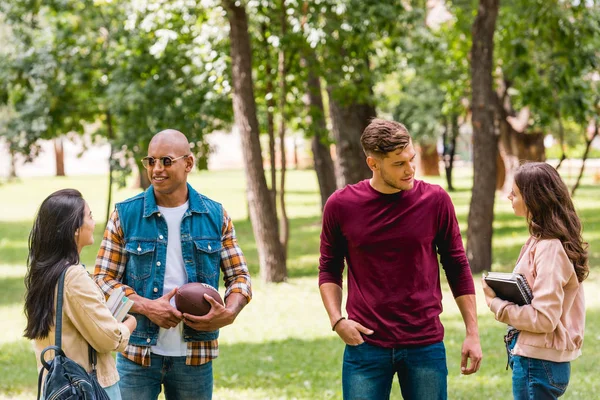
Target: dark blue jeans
[[181, 381], [368, 372], [535, 379]]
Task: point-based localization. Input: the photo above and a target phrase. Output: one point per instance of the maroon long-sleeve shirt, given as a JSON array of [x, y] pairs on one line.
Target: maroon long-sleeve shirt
[[389, 242]]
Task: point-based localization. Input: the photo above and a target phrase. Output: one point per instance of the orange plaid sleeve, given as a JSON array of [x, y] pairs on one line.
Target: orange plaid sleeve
[[233, 263], [112, 258]]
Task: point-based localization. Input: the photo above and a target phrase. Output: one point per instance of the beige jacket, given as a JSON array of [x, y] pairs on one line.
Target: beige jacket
[[552, 325], [87, 320]]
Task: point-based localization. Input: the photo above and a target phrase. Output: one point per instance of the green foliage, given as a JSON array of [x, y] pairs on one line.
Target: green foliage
[[548, 55], [170, 73], [433, 84], [151, 66], [37, 85], [269, 38], [356, 41], [420, 109]]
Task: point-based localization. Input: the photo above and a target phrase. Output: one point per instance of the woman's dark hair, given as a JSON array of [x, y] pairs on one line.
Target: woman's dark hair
[[52, 249], [551, 214]]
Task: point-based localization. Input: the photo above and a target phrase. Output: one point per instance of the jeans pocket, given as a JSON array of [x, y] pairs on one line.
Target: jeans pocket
[[558, 373]]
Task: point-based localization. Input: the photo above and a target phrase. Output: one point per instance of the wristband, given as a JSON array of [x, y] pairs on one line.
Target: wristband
[[337, 322]]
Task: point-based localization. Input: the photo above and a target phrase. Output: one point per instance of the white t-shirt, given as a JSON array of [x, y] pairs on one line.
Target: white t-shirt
[[170, 341]]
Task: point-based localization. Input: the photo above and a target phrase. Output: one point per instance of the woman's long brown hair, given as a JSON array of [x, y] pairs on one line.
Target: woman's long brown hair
[[551, 214]]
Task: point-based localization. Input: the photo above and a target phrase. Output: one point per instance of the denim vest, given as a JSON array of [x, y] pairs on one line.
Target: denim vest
[[145, 242]]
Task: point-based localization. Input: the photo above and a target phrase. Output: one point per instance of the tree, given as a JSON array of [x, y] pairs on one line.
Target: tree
[[282, 68], [320, 138], [481, 211], [262, 211], [138, 62], [44, 92], [352, 54], [546, 61], [169, 71], [435, 87]]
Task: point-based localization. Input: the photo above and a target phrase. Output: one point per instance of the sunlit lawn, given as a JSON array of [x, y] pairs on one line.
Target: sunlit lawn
[[281, 346]]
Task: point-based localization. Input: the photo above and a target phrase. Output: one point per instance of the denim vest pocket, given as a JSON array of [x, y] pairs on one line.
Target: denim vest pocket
[[208, 259], [140, 255]]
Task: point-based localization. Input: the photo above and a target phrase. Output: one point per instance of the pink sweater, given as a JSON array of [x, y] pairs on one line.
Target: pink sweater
[[552, 325]]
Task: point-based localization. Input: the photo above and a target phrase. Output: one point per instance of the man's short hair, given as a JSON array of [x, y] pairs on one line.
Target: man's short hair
[[382, 137]]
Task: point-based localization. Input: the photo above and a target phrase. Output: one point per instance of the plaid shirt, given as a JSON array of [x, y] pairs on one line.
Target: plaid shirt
[[111, 264]]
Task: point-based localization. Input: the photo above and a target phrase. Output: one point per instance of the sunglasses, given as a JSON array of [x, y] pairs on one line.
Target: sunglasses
[[166, 161]]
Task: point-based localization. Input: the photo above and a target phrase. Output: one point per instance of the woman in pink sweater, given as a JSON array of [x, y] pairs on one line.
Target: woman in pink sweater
[[544, 336]]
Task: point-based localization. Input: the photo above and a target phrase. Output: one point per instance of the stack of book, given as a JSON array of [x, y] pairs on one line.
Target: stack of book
[[119, 304], [512, 287]]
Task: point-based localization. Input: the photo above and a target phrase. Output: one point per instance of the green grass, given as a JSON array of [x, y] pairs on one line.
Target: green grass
[[281, 346]]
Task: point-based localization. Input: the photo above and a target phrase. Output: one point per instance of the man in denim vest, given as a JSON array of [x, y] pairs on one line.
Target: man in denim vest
[[155, 242]]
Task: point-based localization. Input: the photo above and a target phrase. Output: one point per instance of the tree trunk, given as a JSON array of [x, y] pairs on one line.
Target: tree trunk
[[270, 123], [319, 144], [349, 120], [12, 172], [110, 135], [59, 153], [513, 148], [450, 136], [262, 211], [561, 138], [284, 222], [296, 159], [481, 212], [588, 144], [430, 160], [514, 144], [143, 180]]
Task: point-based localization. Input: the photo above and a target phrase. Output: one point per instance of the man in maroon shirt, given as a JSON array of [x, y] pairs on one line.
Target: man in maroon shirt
[[388, 230]]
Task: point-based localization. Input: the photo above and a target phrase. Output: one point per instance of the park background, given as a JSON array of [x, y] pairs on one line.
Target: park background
[[274, 96]]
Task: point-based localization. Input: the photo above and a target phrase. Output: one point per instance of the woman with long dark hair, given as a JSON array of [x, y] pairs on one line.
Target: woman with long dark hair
[[62, 227], [546, 335]]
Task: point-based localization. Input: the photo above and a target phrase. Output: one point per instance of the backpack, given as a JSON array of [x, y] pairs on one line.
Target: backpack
[[67, 380]]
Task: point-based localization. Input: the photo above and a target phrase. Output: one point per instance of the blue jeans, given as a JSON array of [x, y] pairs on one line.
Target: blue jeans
[[181, 381], [113, 392], [368, 372], [535, 379]]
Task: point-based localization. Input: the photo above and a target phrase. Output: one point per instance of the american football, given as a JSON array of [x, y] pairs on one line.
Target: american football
[[190, 299]]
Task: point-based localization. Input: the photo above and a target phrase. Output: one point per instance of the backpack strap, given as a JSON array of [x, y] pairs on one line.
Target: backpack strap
[[40, 378], [92, 355], [59, 303]]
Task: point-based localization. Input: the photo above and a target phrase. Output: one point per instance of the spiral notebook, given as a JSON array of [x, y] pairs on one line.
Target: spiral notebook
[[510, 286]]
